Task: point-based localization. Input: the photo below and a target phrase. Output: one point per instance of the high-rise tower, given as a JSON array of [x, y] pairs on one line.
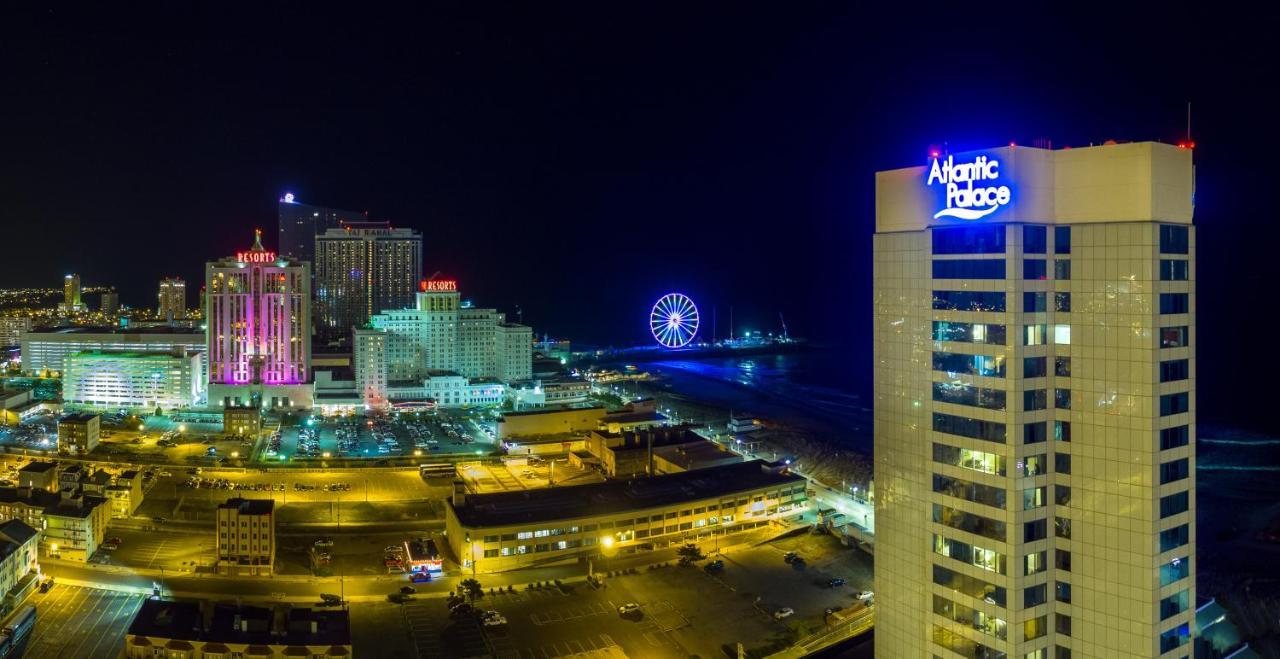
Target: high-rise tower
[[1034, 404], [362, 269], [299, 224], [258, 308]]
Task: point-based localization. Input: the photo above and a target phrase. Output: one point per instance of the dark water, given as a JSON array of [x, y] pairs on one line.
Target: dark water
[[815, 390]]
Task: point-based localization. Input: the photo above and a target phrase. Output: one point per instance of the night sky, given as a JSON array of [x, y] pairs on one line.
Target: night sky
[[579, 160]]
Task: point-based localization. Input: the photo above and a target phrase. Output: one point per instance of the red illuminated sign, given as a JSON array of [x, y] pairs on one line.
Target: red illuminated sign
[[431, 285], [256, 257]]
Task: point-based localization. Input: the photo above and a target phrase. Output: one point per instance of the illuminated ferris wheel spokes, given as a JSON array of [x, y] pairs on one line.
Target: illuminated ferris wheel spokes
[[674, 320]]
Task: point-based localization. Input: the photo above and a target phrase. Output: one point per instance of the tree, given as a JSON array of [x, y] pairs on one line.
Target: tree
[[689, 553], [473, 589]]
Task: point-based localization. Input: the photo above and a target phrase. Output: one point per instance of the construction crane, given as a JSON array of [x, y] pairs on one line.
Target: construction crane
[[784, 325]]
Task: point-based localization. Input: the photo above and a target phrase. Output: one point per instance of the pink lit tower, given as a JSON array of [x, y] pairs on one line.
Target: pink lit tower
[[258, 306]]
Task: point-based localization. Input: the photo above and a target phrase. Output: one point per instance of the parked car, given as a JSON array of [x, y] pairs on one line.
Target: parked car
[[408, 590], [836, 582], [399, 598], [714, 566], [419, 577], [790, 556], [863, 595], [785, 612], [630, 608], [324, 542]]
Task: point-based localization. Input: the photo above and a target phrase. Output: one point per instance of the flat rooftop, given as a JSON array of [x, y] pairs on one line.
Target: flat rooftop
[[110, 329], [583, 501], [77, 417], [250, 506]]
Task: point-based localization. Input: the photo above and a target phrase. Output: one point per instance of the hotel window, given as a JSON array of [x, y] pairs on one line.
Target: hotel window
[[1034, 269], [1062, 367], [968, 301], [1171, 438], [1174, 239], [987, 463], [1174, 504], [1062, 240], [1033, 497], [1034, 239], [1033, 302], [1033, 563], [1175, 570], [1174, 303], [1033, 335], [1034, 465], [1034, 399], [1174, 403], [1174, 370], [1062, 528], [1062, 463], [985, 365], [1034, 433], [968, 332], [1174, 470], [1034, 628], [1061, 495], [971, 586], [1035, 530], [1174, 537], [1062, 592], [1062, 560], [1175, 638], [969, 269], [969, 522], [1061, 269], [1062, 399], [969, 491], [1062, 624], [1034, 367], [1062, 335], [964, 394], [1173, 605], [1173, 270], [1034, 596], [984, 239]]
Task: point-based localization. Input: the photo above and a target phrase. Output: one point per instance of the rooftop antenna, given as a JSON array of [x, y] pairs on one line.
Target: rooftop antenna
[[1188, 122]]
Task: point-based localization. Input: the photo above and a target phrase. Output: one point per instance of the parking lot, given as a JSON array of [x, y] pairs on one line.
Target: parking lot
[[683, 611], [72, 621]]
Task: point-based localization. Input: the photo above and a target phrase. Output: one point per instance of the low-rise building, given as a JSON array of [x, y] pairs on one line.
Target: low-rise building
[[19, 548], [12, 327], [13, 402], [688, 457], [200, 630], [510, 530], [71, 523], [39, 475], [245, 421], [246, 536], [450, 389], [628, 453], [78, 433], [125, 494], [533, 423]]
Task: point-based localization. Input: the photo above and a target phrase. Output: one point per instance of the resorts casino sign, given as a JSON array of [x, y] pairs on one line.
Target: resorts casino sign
[[969, 190]]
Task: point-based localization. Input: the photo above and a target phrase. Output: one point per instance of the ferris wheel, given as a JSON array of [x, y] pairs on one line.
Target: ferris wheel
[[674, 320]]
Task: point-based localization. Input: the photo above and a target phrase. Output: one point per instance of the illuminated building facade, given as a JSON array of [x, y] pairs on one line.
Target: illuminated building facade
[[12, 328], [361, 269], [258, 306], [369, 352], [513, 352], [425, 337], [246, 540], [299, 224], [45, 350], [116, 379], [172, 298], [71, 302], [108, 302], [1035, 404]]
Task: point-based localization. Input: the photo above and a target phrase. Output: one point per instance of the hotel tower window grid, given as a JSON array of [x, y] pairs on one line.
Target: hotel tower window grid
[[1084, 425]]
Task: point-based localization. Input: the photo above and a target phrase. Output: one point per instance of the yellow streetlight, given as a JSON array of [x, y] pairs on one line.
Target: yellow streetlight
[[607, 542], [182, 428], [235, 454], [326, 454]]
